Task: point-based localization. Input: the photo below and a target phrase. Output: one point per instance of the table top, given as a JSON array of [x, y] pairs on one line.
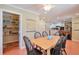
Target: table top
[[44, 43]]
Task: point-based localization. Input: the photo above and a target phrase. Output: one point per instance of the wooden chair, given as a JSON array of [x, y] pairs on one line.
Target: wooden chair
[[29, 48], [44, 33], [60, 47], [37, 34]]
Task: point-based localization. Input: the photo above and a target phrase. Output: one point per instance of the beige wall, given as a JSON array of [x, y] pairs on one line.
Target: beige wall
[[75, 29], [25, 15]]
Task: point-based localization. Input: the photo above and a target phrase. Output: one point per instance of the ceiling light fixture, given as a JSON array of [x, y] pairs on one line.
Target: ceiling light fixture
[[48, 7]]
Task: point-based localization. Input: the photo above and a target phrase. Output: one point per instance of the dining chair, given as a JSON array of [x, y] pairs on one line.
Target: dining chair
[[44, 33], [29, 48], [64, 45], [59, 47], [37, 35]]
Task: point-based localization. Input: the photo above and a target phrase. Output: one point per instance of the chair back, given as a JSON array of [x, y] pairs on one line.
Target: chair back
[[37, 34], [28, 44], [64, 41], [44, 33], [60, 44]]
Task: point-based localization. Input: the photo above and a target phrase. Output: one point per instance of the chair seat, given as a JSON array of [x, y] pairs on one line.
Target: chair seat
[[38, 52], [35, 52], [55, 51]]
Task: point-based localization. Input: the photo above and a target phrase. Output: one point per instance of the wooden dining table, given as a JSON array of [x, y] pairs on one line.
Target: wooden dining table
[[46, 44]]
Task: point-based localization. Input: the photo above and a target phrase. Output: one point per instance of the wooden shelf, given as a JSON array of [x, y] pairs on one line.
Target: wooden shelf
[[10, 26]]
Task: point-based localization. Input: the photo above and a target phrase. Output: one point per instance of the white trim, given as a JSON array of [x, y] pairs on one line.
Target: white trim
[[11, 11], [20, 32], [20, 25], [1, 33], [27, 10]]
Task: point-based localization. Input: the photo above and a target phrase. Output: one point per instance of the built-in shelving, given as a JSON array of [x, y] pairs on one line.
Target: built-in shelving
[[10, 27]]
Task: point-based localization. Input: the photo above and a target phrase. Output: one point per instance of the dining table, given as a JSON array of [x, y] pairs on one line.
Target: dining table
[[45, 43]]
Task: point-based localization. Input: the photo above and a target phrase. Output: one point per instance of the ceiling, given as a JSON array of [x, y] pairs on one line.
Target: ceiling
[[60, 12]]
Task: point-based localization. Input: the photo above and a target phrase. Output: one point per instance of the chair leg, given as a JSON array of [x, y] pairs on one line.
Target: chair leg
[[44, 52], [64, 51], [61, 52]]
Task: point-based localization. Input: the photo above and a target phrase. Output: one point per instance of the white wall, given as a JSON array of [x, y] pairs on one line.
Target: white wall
[[47, 28], [40, 25]]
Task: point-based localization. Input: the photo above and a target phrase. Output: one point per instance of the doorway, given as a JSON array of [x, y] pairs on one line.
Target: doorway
[[10, 31]]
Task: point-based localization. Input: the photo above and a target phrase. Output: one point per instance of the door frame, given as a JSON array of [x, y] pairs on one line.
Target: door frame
[[20, 26]]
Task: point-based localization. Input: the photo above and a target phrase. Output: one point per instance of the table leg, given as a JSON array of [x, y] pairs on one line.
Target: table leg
[[48, 52], [44, 52]]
